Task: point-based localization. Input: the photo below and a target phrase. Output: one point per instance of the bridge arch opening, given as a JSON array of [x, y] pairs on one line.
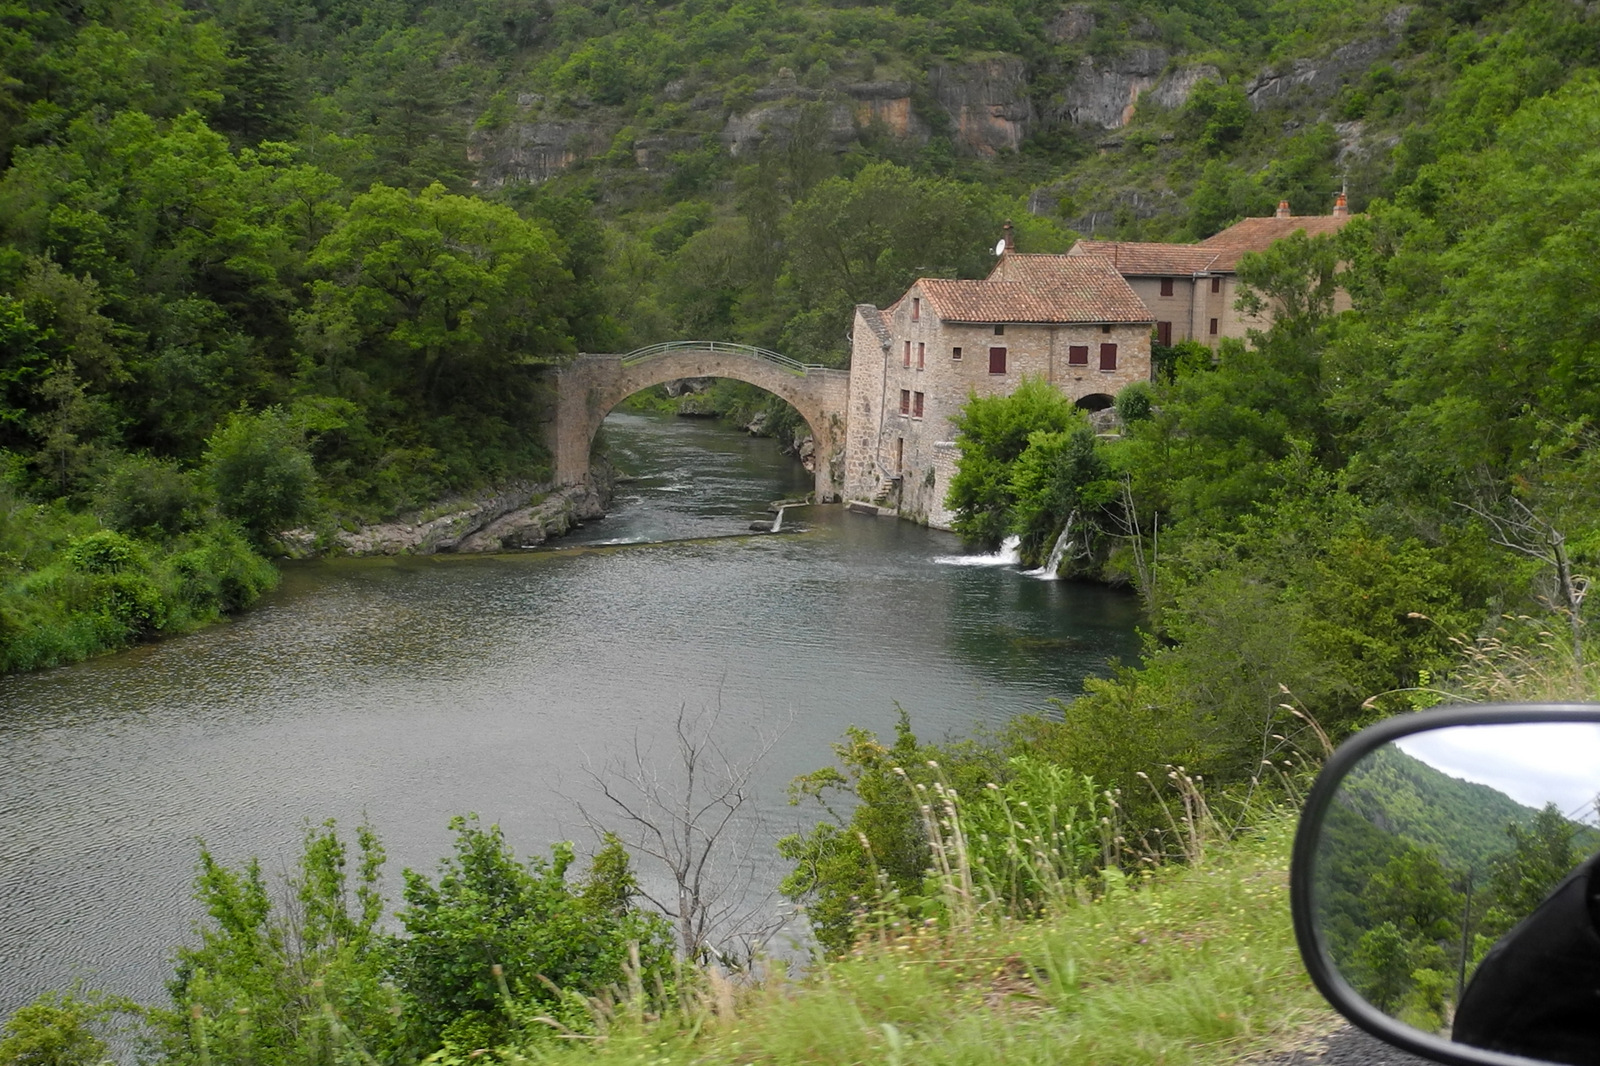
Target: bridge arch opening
[[591, 386], [1095, 401]]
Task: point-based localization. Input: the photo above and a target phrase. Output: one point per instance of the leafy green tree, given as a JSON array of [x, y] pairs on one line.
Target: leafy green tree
[[992, 432], [444, 294], [148, 496], [300, 984], [1059, 478], [262, 475], [57, 1029], [493, 934], [1541, 857]]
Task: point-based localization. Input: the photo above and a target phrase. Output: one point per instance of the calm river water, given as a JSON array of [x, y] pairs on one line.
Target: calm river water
[[410, 690]]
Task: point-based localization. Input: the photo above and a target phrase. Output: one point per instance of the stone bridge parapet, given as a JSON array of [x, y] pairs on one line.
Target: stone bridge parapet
[[589, 386]]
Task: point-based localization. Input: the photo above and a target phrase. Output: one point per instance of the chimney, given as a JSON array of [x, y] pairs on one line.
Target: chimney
[[1010, 244], [1341, 206], [1283, 209]]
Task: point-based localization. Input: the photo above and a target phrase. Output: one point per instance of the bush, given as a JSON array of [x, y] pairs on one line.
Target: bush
[[145, 495], [261, 471], [1135, 401]]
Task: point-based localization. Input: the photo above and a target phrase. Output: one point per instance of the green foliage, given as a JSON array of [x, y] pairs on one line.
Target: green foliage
[[57, 1029], [496, 942], [992, 433], [151, 497], [261, 473], [1135, 401]]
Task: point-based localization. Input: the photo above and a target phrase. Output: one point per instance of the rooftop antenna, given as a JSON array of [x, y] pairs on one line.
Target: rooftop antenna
[[1000, 246]]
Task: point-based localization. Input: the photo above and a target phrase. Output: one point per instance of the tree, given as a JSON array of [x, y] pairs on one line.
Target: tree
[[261, 473], [992, 432], [494, 935], [1541, 856], [443, 294], [696, 823]]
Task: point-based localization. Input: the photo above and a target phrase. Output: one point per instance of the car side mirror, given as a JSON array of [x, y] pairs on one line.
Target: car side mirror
[[1445, 883]]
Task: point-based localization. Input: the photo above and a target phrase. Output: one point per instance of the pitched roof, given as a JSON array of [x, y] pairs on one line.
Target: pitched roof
[[1257, 234], [1149, 259], [876, 321], [1038, 288]]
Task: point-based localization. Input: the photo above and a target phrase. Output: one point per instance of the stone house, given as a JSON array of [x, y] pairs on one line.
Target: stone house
[[1072, 321], [1191, 289]]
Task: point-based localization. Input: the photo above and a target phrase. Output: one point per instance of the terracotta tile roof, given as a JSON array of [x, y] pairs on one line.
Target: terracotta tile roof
[[1256, 234], [876, 320], [1038, 288], [1148, 259]]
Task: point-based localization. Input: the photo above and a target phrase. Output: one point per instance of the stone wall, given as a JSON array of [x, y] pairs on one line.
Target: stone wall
[[587, 388], [887, 438]]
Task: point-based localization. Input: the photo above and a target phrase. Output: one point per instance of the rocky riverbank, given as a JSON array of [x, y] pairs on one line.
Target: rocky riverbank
[[522, 514]]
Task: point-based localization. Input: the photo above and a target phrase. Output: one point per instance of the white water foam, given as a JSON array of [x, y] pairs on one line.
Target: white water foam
[[1006, 556], [1063, 544]]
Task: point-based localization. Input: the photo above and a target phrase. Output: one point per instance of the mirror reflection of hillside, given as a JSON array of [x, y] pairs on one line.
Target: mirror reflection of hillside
[[1420, 872]]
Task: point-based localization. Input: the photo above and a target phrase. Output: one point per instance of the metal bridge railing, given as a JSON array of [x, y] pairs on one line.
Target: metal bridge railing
[[783, 362]]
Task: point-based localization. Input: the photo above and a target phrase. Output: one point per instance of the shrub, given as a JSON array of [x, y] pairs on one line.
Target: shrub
[[261, 471], [1135, 401], [150, 496]]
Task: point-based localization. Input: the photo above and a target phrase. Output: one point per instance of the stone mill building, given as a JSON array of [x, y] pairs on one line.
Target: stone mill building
[[1072, 321]]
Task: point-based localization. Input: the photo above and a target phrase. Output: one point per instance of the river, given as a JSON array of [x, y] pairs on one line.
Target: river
[[409, 690]]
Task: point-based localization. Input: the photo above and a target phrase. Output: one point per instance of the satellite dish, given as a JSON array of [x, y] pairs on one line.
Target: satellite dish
[[1000, 246]]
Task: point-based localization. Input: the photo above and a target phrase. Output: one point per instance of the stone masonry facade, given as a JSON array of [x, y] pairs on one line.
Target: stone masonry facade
[[1075, 324]]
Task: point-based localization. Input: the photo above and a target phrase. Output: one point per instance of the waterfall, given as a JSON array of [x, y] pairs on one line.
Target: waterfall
[[777, 523], [1006, 556], [1062, 546]]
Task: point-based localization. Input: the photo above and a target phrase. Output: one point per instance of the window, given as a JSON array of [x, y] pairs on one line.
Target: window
[[905, 401], [955, 353], [908, 354], [1108, 357], [997, 360], [1213, 329], [916, 309], [999, 330], [1105, 328], [916, 405], [1164, 333], [1166, 290], [922, 354], [1216, 284], [1077, 355]]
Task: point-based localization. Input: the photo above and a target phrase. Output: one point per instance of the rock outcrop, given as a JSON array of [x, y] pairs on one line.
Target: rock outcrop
[[987, 101], [521, 515]]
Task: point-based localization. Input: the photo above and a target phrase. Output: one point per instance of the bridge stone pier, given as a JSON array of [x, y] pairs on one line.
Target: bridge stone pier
[[589, 386]]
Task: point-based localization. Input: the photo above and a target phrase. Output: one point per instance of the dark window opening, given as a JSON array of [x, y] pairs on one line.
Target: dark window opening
[[1216, 284], [1106, 328], [1108, 357], [1213, 327], [1166, 290], [1164, 333], [997, 360], [955, 353], [916, 309], [999, 330]]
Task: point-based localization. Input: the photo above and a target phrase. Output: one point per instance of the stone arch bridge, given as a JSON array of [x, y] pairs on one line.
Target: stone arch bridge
[[589, 386]]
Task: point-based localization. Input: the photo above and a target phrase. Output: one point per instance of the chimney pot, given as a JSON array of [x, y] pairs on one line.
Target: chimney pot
[[1009, 242], [1283, 209], [1341, 206]]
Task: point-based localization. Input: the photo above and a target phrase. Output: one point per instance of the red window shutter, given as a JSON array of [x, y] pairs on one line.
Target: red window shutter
[[916, 309], [1108, 357], [1213, 327], [922, 354], [1166, 286], [905, 401], [908, 353], [1077, 355], [1164, 333], [1216, 284], [916, 405], [997, 360]]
